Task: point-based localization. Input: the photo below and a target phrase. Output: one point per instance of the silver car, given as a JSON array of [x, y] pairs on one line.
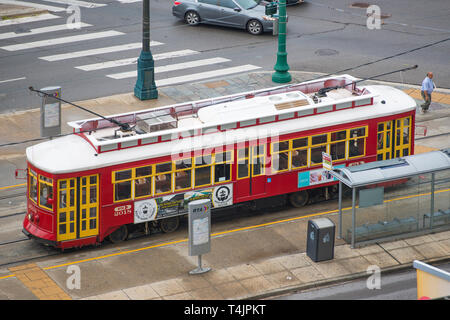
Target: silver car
[[243, 14]]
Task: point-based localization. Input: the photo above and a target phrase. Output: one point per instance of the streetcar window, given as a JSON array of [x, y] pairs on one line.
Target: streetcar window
[[45, 192], [163, 183], [360, 132], [122, 190], [298, 143], [299, 158], [316, 154], [203, 160], [319, 139], [340, 135], [243, 167], [280, 146], [337, 150], [183, 164], [222, 166], [183, 179], [163, 167], [202, 176], [33, 186], [123, 175], [356, 147], [258, 166], [280, 161]]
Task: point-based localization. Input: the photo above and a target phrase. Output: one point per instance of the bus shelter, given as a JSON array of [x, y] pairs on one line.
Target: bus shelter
[[396, 198]]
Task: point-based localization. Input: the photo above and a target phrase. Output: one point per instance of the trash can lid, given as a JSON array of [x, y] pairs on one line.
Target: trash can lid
[[323, 223]]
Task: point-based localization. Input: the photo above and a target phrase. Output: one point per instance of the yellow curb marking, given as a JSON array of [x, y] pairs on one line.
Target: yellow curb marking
[[17, 185]]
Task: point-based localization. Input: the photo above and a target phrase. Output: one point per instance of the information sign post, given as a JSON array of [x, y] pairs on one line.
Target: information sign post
[[199, 231], [51, 112]]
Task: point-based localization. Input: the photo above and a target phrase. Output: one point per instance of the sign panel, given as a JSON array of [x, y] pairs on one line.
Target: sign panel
[[432, 282], [177, 204], [51, 112], [199, 227], [371, 197], [327, 162]]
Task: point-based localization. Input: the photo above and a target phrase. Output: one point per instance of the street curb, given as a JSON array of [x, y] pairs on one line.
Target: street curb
[[22, 15], [346, 278]]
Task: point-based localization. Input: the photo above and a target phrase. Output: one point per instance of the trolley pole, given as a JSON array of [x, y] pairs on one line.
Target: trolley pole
[[145, 87], [281, 74]]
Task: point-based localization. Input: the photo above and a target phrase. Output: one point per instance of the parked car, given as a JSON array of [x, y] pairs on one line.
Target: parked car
[[244, 14]]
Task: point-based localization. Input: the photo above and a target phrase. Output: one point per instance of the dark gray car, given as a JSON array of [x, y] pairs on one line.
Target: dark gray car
[[243, 14]]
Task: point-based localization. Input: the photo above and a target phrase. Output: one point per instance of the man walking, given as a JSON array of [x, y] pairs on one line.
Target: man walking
[[427, 88]]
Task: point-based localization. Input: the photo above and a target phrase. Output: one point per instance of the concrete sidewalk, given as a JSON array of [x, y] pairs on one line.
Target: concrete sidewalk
[[13, 11], [273, 260]]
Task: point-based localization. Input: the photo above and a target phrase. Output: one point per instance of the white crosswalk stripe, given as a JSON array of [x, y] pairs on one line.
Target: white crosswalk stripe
[[172, 67], [33, 5], [97, 51], [31, 32], [129, 1], [50, 42], [41, 17], [130, 61], [205, 75], [78, 3]]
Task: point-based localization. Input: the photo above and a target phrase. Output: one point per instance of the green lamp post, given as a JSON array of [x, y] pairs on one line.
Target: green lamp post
[[145, 87], [281, 74]]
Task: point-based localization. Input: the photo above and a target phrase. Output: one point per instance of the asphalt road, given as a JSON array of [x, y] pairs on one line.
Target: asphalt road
[[395, 286], [323, 36]]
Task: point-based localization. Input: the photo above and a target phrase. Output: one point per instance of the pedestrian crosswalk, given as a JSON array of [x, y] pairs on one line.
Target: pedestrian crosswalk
[[93, 50]]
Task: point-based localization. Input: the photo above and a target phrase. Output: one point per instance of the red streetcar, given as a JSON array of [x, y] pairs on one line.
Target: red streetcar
[[256, 148]]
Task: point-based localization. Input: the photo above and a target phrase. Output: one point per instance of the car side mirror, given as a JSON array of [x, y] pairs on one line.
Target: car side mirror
[[237, 9]]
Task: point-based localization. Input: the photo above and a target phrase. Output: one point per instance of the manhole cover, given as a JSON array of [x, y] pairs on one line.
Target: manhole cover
[[360, 5], [326, 52]]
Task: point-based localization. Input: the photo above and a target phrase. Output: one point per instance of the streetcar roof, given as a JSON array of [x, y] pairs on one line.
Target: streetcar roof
[[73, 153]]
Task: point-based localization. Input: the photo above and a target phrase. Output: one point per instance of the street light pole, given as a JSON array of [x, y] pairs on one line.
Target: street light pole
[[281, 74], [145, 87]]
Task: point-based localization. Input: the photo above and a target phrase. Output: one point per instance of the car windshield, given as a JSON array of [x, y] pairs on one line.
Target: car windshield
[[247, 4]]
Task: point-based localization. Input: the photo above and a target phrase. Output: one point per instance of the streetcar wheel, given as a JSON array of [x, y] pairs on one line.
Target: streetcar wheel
[[299, 199], [119, 235], [169, 224]]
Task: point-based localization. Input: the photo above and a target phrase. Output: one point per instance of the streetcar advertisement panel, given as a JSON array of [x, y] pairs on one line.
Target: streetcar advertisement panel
[[176, 204], [313, 177]]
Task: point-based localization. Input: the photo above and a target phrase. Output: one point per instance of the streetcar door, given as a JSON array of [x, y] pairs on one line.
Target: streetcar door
[[251, 171], [77, 214]]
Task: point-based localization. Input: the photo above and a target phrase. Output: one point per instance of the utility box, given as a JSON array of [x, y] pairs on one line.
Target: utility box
[[320, 242]]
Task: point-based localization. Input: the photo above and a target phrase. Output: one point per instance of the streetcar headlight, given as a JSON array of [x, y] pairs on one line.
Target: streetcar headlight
[[30, 217]]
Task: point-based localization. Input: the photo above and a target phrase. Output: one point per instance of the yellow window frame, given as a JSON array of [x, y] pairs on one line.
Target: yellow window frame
[[402, 146], [317, 145], [182, 170], [85, 183], [67, 235], [288, 150], [114, 182], [229, 161], [246, 160], [258, 156], [50, 184], [210, 165], [385, 150], [350, 140], [135, 177], [34, 175]]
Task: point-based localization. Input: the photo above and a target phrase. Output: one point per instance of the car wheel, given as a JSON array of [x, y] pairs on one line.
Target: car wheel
[[254, 27], [192, 18]]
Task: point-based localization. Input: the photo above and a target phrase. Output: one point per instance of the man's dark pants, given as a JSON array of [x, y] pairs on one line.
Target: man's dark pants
[[426, 105]]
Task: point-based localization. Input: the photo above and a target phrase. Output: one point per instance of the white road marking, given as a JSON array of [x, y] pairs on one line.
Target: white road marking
[[51, 42], [41, 17], [91, 52], [33, 5], [171, 67], [206, 75], [9, 35], [11, 80], [130, 61], [78, 3]]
